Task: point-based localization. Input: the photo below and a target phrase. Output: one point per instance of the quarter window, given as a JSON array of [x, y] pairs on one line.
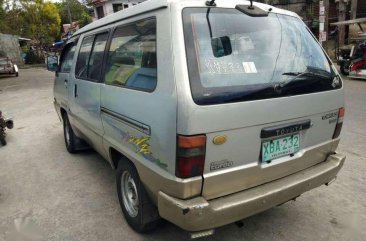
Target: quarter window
[[82, 62], [132, 56], [67, 57]]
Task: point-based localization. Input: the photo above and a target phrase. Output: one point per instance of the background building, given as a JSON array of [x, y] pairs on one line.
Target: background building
[[105, 7]]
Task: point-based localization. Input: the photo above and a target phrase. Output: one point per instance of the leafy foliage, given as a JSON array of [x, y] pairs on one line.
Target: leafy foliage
[[79, 12], [34, 19], [33, 58], [43, 20]]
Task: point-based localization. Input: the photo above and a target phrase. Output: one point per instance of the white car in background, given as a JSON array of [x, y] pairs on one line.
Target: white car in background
[[7, 67]]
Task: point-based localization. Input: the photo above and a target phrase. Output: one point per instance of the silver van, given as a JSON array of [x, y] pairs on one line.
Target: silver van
[[209, 111]]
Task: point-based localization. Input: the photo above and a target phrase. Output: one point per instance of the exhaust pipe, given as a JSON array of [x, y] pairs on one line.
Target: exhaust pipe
[[9, 123], [331, 181]]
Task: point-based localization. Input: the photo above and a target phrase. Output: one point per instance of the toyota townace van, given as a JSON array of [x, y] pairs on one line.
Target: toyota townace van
[[209, 111]]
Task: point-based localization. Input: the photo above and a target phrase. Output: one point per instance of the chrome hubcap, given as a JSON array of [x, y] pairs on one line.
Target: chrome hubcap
[[129, 194]]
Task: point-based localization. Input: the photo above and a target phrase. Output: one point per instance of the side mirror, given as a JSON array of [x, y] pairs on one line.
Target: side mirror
[[52, 63], [221, 46]]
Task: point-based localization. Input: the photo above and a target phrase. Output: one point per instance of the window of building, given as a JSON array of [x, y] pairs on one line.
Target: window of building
[[117, 7], [125, 6], [100, 12], [132, 59]]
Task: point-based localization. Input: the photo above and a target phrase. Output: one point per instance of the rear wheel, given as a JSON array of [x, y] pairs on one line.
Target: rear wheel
[[136, 206]]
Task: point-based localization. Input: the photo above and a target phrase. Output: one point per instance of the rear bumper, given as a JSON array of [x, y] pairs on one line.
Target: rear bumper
[[7, 71], [198, 214]]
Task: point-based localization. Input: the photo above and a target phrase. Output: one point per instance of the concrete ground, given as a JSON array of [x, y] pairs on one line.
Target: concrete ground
[[68, 197]]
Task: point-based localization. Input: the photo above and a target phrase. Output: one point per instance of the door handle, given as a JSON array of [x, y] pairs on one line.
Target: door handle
[[76, 91], [65, 82]]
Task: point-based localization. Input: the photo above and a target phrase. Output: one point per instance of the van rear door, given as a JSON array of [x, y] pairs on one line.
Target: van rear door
[[265, 95]]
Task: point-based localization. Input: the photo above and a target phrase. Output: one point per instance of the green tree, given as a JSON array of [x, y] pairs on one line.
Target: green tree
[[10, 17], [35, 19], [42, 20], [2, 15], [79, 12]]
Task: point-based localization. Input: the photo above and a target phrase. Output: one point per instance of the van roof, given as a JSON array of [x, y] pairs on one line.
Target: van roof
[[140, 8], [151, 5]]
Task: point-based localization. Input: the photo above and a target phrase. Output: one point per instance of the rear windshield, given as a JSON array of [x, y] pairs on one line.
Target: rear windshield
[[235, 57], [3, 62]]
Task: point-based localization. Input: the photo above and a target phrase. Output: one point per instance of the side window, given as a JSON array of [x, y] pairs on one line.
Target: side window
[[132, 56], [83, 57], [96, 57], [90, 58], [67, 57]]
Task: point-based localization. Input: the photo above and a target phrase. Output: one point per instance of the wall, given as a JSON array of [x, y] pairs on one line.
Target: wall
[[108, 5], [10, 45]]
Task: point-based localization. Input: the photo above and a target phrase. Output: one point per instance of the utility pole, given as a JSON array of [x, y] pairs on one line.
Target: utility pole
[[353, 9], [69, 12], [323, 22], [341, 17]]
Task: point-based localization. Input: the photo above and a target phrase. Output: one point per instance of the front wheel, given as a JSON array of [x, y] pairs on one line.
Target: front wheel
[[136, 206], [2, 141], [69, 135], [2, 137]]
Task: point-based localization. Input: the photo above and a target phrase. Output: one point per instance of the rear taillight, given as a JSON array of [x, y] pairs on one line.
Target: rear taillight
[[338, 128], [190, 156]]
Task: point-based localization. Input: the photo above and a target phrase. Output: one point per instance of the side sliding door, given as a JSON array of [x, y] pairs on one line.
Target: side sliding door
[[85, 96]]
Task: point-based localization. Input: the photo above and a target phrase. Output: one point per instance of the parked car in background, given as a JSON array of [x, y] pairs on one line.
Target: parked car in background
[[7, 67]]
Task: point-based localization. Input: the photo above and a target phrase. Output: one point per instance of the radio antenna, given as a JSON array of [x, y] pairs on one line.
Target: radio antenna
[[251, 4], [211, 3]]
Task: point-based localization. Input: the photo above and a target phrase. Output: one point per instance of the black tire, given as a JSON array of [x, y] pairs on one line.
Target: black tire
[[344, 68], [3, 141], [16, 74], [146, 218], [69, 135]]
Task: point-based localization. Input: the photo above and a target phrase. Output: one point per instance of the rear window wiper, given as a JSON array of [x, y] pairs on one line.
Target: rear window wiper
[[323, 76], [265, 92]]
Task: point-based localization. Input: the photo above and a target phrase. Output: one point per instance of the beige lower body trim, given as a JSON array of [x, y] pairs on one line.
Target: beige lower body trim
[[199, 214]]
